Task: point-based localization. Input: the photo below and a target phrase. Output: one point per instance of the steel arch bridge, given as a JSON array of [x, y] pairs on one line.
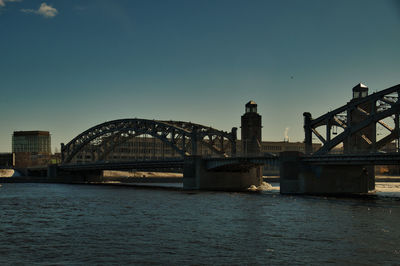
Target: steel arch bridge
[[183, 137], [371, 111]]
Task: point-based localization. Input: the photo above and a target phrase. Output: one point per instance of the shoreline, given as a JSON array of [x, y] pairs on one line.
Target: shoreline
[[150, 179]]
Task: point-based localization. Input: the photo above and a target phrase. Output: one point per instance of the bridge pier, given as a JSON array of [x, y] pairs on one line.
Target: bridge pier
[[197, 176], [299, 177], [82, 176]]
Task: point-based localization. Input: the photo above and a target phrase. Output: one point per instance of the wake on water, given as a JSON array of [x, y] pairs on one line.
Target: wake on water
[[263, 187]]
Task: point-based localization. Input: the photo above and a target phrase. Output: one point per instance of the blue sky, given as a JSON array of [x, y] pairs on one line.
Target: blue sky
[[66, 66]]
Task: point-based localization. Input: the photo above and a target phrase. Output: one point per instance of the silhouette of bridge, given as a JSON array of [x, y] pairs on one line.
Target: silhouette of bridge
[[358, 120], [183, 137], [369, 111]]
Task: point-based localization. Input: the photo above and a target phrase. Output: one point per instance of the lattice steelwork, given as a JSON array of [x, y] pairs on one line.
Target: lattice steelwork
[[378, 110], [184, 138]]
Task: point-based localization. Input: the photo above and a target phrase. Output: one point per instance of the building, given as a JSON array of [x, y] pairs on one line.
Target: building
[[276, 147], [31, 141], [31, 148], [251, 130]]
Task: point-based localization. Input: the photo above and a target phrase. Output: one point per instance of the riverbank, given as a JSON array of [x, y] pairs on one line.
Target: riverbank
[[139, 177]]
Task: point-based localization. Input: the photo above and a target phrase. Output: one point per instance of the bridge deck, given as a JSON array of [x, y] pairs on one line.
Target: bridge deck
[[138, 165], [239, 163], [354, 159]]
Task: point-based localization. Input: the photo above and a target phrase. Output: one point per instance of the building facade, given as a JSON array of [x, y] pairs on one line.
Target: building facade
[[31, 148], [31, 141]]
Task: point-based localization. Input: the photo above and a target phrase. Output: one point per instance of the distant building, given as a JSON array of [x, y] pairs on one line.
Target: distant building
[[31, 148], [31, 141], [276, 147]]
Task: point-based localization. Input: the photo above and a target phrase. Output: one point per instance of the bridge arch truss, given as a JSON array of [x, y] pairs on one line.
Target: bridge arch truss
[[373, 111], [184, 138]]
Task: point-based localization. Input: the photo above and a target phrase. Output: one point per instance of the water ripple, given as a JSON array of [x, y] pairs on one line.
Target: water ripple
[[50, 224]]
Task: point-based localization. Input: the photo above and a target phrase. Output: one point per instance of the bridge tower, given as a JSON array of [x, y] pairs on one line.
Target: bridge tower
[[361, 141], [251, 130]]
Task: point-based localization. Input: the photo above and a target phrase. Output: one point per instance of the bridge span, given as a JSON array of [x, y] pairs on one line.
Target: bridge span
[[148, 165], [354, 159], [233, 173], [352, 127], [344, 173]]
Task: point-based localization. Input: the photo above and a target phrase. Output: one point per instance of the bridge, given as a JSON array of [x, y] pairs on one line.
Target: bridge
[[184, 138], [360, 119], [353, 131], [209, 160], [231, 173]]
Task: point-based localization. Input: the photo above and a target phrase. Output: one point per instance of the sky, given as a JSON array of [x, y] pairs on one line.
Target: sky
[[66, 66]]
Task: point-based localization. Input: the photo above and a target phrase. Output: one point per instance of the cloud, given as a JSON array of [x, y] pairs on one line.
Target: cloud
[[3, 2], [44, 10]]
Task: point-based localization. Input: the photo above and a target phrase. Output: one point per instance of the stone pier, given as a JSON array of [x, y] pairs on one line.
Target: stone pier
[[197, 176], [297, 177], [82, 176]]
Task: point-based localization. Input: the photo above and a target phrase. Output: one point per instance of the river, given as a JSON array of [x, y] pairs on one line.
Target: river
[[49, 224]]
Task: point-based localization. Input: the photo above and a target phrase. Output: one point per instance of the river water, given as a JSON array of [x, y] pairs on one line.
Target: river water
[[49, 224]]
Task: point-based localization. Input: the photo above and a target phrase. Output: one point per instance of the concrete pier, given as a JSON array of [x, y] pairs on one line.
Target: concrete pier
[[298, 177], [83, 176], [197, 176]]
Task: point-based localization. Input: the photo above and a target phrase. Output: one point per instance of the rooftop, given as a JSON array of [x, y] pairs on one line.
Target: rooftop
[[251, 103], [360, 86], [31, 133]]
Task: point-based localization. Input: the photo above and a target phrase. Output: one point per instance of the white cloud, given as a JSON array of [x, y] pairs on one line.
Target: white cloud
[[3, 2], [44, 10], [47, 11]]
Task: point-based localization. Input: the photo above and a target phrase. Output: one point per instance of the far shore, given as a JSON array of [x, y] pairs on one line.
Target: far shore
[[7, 175]]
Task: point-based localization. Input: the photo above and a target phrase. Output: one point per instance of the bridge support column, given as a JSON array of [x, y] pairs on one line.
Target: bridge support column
[[290, 168], [371, 177], [298, 177], [196, 176], [233, 143], [308, 133], [54, 173]]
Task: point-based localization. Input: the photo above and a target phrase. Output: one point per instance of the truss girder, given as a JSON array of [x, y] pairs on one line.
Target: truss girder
[[356, 128], [380, 95], [183, 137], [377, 114]]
